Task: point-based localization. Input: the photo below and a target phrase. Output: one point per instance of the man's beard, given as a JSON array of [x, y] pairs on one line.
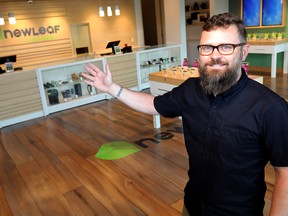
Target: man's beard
[[215, 83]]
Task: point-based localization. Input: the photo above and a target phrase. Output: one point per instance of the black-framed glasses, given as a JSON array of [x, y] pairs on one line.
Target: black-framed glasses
[[223, 49]]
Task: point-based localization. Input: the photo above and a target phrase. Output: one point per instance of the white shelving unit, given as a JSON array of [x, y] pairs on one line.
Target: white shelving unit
[[61, 91], [156, 58]]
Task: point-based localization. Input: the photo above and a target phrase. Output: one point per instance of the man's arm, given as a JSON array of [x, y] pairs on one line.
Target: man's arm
[[103, 81], [279, 206]]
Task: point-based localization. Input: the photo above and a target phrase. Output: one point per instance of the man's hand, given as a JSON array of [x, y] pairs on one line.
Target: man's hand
[[103, 81], [97, 78]]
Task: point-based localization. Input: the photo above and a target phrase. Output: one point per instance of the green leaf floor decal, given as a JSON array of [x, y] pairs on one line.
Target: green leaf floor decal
[[116, 150]]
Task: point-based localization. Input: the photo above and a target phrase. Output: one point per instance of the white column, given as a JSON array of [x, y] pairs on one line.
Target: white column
[[139, 22], [175, 24]]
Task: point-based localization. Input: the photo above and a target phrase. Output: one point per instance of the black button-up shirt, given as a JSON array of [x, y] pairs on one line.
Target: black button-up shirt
[[229, 139]]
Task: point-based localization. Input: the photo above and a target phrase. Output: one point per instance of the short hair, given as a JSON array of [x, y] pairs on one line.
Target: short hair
[[225, 20]]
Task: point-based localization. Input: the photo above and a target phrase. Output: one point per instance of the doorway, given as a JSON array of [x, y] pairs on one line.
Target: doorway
[[153, 21], [81, 40]]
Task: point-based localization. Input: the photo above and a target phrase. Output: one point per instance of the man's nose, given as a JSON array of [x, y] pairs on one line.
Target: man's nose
[[215, 53]]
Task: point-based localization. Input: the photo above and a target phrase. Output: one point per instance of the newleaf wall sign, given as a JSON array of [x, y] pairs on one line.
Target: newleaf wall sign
[[29, 32], [42, 33], [37, 31]]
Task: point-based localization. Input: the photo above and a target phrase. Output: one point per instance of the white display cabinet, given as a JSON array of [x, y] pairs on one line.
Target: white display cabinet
[[62, 86], [156, 58]]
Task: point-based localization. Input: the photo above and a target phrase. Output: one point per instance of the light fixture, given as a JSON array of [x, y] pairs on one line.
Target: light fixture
[[117, 10], [109, 11], [101, 12], [2, 21], [11, 18]]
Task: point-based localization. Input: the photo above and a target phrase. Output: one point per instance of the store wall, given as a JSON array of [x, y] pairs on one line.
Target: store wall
[[104, 29], [42, 32], [175, 26]]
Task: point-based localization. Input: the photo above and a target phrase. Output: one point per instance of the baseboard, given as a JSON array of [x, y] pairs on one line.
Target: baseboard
[[263, 70]]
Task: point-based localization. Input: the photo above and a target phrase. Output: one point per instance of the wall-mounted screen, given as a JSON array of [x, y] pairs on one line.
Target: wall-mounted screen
[[263, 13], [272, 13], [251, 12]]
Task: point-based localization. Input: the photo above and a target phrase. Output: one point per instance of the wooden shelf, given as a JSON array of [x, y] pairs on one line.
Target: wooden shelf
[[267, 41], [196, 15], [199, 11]]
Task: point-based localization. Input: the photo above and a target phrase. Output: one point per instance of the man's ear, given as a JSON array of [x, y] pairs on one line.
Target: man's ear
[[245, 51]]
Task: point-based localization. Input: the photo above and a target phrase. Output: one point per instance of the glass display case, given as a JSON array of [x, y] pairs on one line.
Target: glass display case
[[156, 58], [63, 87]]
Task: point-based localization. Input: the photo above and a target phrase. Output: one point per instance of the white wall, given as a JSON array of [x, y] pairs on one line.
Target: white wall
[[175, 24], [218, 6], [139, 22]]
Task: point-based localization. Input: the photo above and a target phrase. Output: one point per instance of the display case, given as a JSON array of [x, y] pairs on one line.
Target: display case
[[62, 86], [156, 58]]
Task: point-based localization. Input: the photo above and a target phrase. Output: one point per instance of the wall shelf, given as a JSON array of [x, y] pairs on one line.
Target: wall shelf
[[196, 17]]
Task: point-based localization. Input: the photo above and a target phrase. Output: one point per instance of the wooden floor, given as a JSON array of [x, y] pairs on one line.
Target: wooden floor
[[48, 165]]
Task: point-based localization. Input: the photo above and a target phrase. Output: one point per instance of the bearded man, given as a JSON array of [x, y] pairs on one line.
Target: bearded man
[[233, 126]]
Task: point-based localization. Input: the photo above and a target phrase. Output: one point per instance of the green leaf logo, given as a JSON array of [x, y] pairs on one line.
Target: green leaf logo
[[116, 150], [1, 34]]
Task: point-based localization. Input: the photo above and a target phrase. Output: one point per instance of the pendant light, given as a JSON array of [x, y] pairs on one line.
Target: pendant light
[[117, 10], [109, 11], [11, 18], [101, 12], [2, 21]]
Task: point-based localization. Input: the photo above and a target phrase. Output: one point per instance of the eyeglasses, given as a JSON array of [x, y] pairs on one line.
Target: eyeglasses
[[223, 49]]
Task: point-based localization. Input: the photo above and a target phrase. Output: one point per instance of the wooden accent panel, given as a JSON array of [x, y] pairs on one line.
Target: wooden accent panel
[[265, 70], [104, 29], [268, 42], [123, 69], [19, 94], [35, 51], [32, 47], [35, 54], [173, 77]]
